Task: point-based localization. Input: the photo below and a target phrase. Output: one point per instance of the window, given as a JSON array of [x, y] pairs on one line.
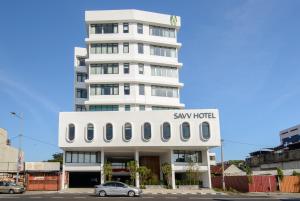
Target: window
[[81, 61], [164, 71], [90, 132], [109, 68], [141, 89], [81, 77], [120, 185], [140, 28], [80, 108], [126, 89], [82, 157], [164, 91], [183, 156], [147, 131], [81, 93], [104, 48], [166, 131], [109, 132], [185, 131], [163, 51], [141, 69], [104, 89], [125, 28], [104, 108], [140, 48], [127, 107], [103, 28], [71, 132], [162, 31], [205, 131], [127, 131], [125, 47], [126, 68], [142, 107]]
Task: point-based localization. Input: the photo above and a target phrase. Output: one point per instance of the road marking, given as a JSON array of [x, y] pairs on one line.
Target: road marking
[[147, 197], [171, 197], [35, 197], [57, 197], [9, 197], [79, 197]]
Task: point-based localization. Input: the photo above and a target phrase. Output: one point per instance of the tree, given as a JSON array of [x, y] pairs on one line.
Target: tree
[[107, 170], [56, 157], [133, 169], [144, 174], [248, 171], [167, 172]]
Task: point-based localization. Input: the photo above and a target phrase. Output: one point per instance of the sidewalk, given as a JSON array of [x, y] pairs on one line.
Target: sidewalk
[[274, 194]]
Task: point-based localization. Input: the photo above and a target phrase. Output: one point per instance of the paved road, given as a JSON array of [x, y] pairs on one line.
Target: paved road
[[72, 197]]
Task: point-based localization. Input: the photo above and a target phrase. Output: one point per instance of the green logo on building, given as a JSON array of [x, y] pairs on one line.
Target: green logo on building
[[173, 20]]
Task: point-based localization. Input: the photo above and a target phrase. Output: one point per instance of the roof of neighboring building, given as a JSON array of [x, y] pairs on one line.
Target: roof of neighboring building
[[217, 169]]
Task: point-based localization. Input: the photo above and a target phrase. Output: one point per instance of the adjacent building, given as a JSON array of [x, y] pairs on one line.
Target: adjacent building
[[127, 103], [286, 156]]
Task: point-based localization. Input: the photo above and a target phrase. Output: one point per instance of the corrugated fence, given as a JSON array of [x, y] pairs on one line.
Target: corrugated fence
[[290, 184]]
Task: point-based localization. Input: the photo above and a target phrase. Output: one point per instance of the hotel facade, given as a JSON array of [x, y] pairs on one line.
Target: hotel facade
[[127, 103]]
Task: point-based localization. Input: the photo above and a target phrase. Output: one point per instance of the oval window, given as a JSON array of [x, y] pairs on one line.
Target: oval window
[[90, 132], [109, 132], [127, 131], [147, 131], [205, 131], [166, 131], [71, 132], [185, 129]]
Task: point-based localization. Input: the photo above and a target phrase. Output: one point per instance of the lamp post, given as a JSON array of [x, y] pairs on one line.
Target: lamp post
[[20, 117]]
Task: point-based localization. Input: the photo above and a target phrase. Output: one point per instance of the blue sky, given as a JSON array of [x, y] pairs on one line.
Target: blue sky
[[239, 56]]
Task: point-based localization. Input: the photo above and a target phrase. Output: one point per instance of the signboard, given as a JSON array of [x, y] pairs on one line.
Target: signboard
[[173, 20]]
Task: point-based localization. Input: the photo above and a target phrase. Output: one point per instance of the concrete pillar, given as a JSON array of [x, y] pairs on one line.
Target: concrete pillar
[[102, 176], [63, 173], [207, 176], [173, 184], [137, 160]]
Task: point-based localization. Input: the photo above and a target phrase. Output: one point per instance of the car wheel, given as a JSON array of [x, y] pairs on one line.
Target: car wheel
[[102, 194], [131, 194], [11, 191]]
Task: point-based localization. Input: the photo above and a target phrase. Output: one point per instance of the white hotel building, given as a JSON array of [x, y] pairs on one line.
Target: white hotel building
[[127, 103]]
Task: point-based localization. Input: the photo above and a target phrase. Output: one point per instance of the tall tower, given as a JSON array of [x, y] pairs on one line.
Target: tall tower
[[130, 62]]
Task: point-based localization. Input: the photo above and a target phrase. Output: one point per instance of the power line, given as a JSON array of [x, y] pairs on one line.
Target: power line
[[40, 141], [245, 143]]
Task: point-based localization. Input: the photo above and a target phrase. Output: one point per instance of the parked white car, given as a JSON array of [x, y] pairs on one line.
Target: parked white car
[[116, 188]]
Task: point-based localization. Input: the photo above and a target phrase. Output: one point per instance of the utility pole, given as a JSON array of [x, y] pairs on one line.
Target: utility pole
[[19, 160], [222, 161]]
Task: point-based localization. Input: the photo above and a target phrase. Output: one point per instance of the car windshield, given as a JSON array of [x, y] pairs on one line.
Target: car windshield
[[12, 184]]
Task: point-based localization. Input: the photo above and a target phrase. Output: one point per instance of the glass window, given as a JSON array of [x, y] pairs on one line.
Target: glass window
[[104, 89], [81, 77], [81, 93], [147, 131], [68, 157], [164, 91], [109, 132], [127, 107], [80, 157], [90, 132], [104, 48], [87, 157], [163, 108], [74, 157], [108, 68], [125, 47], [184, 156], [81, 61], [140, 48], [162, 51], [164, 71], [80, 108], [141, 89], [141, 69], [127, 131], [71, 132], [103, 28], [104, 108], [126, 68], [205, 131], [93, 157], [162, 31], [140, 28], [166, 131], [185, 131], [126, 89], [125, 28], [142, 107], [120, 185]]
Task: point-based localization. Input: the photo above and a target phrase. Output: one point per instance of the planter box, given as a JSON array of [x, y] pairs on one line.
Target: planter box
[[154, 187], [188, 187]]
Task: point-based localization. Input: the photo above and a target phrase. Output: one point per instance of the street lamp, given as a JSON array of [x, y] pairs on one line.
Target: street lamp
[[20, 117]]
